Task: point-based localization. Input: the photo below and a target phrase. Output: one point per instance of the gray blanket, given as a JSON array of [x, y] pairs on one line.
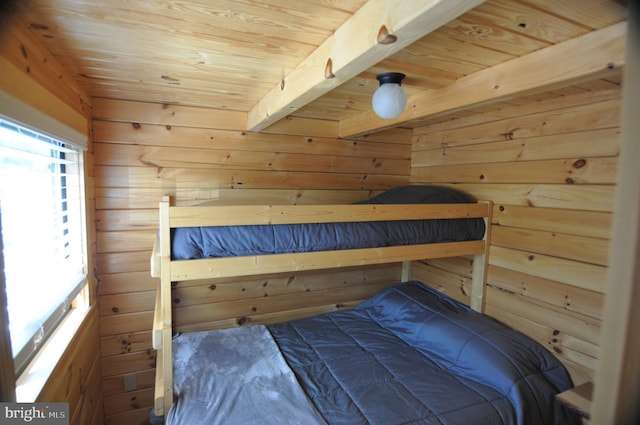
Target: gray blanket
[[236, 376]]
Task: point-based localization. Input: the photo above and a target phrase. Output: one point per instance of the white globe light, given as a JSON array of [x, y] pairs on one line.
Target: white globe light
[[389, 100]]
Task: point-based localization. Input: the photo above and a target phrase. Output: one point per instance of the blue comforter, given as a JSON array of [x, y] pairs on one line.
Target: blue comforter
[[225, 241], [411, 355]]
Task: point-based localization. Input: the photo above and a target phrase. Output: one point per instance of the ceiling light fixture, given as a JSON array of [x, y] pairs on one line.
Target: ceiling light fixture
[[389, 100]]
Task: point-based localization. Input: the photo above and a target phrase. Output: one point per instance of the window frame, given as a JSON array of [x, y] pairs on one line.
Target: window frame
[[77, 300]]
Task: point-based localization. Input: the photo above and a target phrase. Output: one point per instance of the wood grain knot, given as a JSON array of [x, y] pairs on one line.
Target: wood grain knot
[[385, 37], [328, 70], [579, 163]]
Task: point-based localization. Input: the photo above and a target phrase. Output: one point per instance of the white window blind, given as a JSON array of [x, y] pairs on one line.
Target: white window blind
[[42, 211]]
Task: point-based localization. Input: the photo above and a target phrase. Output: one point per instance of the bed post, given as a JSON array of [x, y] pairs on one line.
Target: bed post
[[162, 321], [480, 265], [406, 271]]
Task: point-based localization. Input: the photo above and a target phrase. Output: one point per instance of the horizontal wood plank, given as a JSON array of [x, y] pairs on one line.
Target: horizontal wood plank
[[581, 275], [136, 134], [557, 171], [122, 283], [523, 106], [238, 309], [557, 244], [215, 158], [456, 286], [276, 263], [566, 347], [137, 198], [579, 326], [591, 116], [269, 318], [131, 302], [127, 363], [127, 402], [219, 290], [560, 295], [564, 196], [569, 221], [462, 266], [130, 241], [171, 179], [286, 214], [136, 219], [132, 342], [131, 322], [587, 144], [165, 114]]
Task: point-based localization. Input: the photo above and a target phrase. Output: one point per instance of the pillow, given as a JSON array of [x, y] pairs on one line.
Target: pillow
[[474, 346], [415, 194]]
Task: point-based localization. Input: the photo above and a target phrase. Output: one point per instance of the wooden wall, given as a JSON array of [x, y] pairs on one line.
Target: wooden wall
[[144, 151], [550, 167], [32, 75]]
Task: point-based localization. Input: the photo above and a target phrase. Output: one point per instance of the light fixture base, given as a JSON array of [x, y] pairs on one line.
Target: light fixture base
[[391, 77]]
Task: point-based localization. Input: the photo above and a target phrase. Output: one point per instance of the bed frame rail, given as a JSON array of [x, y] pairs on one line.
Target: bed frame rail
[[169, 271]]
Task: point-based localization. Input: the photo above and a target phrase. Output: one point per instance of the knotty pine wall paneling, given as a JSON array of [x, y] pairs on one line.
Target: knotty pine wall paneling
[[550, 167], [32, 75], [144, 151]]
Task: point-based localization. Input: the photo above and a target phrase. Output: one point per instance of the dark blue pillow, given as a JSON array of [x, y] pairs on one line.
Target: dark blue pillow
[[416, 194]]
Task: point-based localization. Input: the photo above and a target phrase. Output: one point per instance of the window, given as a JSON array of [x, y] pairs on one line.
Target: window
[[42, 218]]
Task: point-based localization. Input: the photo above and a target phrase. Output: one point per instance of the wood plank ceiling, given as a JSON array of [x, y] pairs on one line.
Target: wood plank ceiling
[[229, 54]]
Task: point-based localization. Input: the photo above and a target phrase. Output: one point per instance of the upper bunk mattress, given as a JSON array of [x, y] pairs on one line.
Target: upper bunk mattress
[[227, 241]]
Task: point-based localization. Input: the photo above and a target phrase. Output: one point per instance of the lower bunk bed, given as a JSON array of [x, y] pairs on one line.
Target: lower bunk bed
[[409, 355], [456, 397]]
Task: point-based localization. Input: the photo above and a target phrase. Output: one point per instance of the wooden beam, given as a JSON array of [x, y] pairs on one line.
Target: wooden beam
[[379, 29], [165, 357], [233, 215], [254, 265], [617, 384], [594, 55]]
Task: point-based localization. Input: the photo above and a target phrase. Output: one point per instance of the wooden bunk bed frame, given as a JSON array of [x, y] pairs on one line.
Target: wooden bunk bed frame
[[169, 270]]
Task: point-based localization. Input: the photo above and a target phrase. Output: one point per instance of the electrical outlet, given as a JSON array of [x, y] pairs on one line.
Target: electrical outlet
[[130, 382]]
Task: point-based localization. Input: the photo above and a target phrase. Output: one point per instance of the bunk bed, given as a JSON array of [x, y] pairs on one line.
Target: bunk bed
[[276, 341]]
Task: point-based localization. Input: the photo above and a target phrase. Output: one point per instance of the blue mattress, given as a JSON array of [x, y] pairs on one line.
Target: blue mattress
[[225, 241], [412, 355]]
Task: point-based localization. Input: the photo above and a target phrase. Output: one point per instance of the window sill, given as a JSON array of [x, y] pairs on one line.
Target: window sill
[[32, 380]]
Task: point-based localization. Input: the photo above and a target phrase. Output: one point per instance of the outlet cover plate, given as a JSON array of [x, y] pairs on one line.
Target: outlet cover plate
[[130, 382]]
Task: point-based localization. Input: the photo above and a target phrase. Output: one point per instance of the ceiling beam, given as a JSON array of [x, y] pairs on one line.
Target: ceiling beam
[[379, 29], [594, 55]]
